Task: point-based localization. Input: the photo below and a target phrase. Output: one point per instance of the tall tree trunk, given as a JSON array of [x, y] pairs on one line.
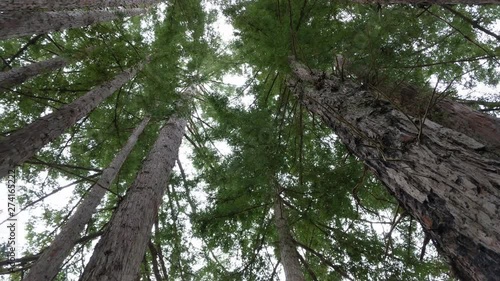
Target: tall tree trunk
[[444, 179], [24, 143], [18, 75], [288, 251], [21, 23], [57, 5], [428, 2], [119, 253], [47, 265]]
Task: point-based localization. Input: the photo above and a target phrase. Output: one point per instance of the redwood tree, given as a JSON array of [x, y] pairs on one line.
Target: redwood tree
[[18, 75], [121, 249], [21, 23], [446, 180], [52, 5], [25, 142], [289, 256], [47, 265]]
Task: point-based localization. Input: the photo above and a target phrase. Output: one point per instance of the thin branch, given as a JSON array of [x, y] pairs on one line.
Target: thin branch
[[463, 34], [154, 255], [32, 203], [326, 261], [56, 165], [424, 245], [20, 51], [308, 268], [474, 23], [471, 59], [396, 220], [27, 259]]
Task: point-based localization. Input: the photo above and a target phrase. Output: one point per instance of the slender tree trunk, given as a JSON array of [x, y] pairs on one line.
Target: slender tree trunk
[[18, 75], [24, 143], [21, 23], [444, 178], [288, 251], [57, 5], [428, 2], [155, 265], [119, 253], [47, 266]]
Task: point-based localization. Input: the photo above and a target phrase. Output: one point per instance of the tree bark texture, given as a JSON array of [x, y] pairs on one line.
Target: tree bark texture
[[47, 266], [288, 251], [25, 142], [58, 5], [21, 23], [453, 115], [428, 2], [445, 179], [479, 126], [18, 75], [119, 253]]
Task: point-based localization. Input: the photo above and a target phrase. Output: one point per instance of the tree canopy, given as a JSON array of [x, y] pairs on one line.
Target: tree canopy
[[248, 144]]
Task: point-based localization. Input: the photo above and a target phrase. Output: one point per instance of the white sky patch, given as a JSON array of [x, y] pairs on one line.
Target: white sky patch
[[234, 80], [58, 202], [225, 29], [221, 25], [480, 91], [223, 148], [239, 82]]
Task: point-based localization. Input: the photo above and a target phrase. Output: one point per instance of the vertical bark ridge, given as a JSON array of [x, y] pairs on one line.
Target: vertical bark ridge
[[25, 142], [47, 265], [121, 249], [445, 179]]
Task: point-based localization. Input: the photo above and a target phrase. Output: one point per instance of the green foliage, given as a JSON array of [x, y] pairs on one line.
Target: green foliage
[[391, 43], [217, 222], [320, 182]]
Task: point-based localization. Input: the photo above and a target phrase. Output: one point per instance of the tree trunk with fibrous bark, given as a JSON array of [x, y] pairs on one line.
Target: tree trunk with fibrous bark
[[47, 265], [289, 257], [24, 143], [55, 5], [447, 180], [18, 75], [21, 23], [120, 251]]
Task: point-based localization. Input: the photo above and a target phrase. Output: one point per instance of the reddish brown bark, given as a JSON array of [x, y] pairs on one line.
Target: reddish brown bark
[[479, 126], [445, 179], [21, 23], [18, 75], [24, 143], [121, 249], [47, 266], [54, 5]]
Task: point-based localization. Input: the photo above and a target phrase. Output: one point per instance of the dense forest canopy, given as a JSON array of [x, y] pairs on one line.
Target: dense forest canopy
[[262, 188]]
